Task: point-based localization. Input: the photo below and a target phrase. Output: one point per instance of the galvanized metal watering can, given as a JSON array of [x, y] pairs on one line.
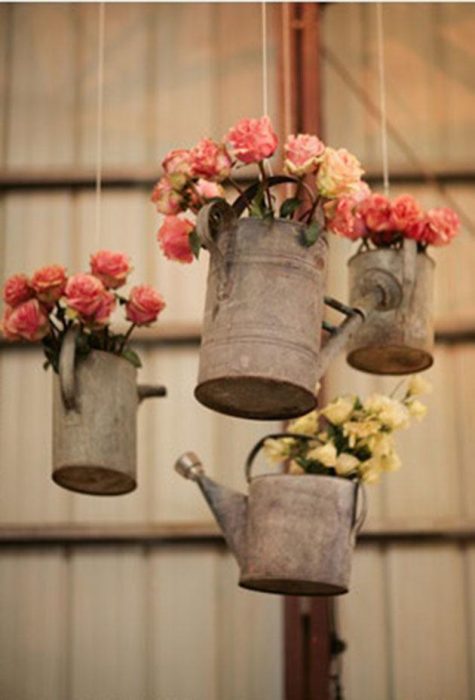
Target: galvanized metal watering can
[[398, 337], [95, 403], [260, 351], [292, 535]]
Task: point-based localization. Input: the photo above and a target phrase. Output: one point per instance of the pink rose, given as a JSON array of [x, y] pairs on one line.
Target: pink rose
[[17, 289], [178, 161], [376, 212], [211, 160], [49, 283], [105, 307], [85, 294], [111, 268], [302, 154], [28, 321], [167, 200], [253, 140], [437, 228], [339, 173], [405, 212], [208, 190], [144, 305], [174, 239], [343, 219]]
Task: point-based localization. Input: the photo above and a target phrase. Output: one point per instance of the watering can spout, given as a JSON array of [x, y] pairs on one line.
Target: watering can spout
[[228, 507]]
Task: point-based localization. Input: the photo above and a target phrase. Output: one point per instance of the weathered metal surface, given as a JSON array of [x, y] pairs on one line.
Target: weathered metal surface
[[262, 321], [94, 422], [396, 338], [293, 535]]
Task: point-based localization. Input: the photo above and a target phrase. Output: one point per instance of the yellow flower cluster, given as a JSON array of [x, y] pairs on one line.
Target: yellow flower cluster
[[357, 441]]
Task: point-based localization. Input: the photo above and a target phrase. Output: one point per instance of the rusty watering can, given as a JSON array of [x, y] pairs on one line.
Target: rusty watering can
[[260, 350], [292, 535], [399, 337], [95, 403]]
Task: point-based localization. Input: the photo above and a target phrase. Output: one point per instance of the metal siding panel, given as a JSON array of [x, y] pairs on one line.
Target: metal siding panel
[[34, 628]]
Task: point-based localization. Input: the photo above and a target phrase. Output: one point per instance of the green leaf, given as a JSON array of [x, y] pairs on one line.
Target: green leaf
[[311, 234], [132, 357], [288, 207], [195, 243]]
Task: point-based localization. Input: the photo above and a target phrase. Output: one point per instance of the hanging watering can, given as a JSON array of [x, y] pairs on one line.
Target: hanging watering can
[[397, 338], [292, 535], [261, 335], [95, 403]]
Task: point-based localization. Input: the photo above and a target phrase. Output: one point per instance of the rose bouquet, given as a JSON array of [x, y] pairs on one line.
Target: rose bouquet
[[45, 306], [378, 222], [349, 438], [321, 176]]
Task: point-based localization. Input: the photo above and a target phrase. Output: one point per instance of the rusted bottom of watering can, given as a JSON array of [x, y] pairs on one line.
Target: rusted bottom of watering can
[[95, 481], [291, 586], [255, 397], [390, 359]]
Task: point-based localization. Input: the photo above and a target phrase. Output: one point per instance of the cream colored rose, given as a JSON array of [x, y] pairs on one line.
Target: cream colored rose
[[418, 386], [380, 444], [360, 430], [346, 463], [339, 411], [370, 471], [325, 454], [295, 468], [416, 409], [390, 462], [339, 173], [391, 413], [278, 450], [305, 425]]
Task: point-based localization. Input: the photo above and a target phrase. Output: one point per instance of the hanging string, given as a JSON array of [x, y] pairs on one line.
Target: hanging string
[[382, 97], [265, 95], [265, 80], [99, 117]]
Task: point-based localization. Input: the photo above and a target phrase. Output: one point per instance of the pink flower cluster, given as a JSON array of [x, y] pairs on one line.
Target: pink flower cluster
[[384, 222], [38, 306]]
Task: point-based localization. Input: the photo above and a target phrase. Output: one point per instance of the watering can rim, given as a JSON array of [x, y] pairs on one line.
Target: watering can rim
[[391, 250]]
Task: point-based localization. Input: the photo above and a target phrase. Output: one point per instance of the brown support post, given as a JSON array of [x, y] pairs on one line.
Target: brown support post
[[307, 620]]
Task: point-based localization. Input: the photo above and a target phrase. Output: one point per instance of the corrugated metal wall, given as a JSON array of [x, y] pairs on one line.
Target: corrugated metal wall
[[409, 619], [124, 622], [169, 623]]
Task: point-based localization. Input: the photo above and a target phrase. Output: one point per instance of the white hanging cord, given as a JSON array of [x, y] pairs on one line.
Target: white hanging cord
[[265, 95], [100, 105], [265, 81], [382, 96]]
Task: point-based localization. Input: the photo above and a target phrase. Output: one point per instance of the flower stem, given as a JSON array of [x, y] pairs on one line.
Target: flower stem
[[265, 185], [126, 338]]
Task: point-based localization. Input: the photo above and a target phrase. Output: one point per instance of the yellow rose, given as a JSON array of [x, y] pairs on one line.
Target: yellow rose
[[326, 454], [416, 409], [295, 469], [360, 430], [418, 386], [278, 450], [380, 444], [346, 463], [306, 425], [370, 471], [339, 411], [390, 462], [392, 413]]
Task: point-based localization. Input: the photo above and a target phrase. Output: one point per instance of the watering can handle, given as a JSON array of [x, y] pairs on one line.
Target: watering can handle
[[359, 519], [147, 391], [67, 378]]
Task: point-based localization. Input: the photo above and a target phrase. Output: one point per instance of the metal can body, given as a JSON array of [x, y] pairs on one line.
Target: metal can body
[[262, 321], [300, 535], [94, 442], [399, 340]]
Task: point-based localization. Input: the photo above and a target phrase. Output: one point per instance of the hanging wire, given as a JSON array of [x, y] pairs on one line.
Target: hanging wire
[[265, 82], [99, 122], [382, 96]]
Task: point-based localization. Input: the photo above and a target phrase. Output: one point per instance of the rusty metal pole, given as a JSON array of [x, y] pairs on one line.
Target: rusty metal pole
[[307, 622]]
